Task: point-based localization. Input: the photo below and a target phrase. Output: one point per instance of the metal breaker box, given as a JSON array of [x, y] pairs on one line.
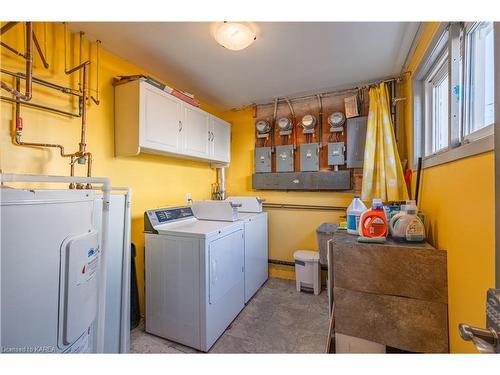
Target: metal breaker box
[[309, 157], [336, 153], [284, 158], [356, 138], [262, 159], [325, 180]]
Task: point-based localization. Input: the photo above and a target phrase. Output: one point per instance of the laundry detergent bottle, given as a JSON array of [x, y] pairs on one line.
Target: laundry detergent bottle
[[354, 211], [373, 222], [414, 228]]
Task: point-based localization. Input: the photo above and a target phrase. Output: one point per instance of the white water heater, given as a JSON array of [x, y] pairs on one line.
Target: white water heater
[[50, 259]]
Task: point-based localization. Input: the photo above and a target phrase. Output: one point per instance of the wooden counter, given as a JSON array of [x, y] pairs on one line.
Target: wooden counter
[[394, 294]]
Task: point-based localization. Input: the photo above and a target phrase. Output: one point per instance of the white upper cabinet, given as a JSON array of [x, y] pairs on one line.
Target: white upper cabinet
[[160, 114], [220, 137], [195, 126], [150, 120]]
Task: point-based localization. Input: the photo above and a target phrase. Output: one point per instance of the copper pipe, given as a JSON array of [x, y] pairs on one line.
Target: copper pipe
[[34, 144], [37, 46], [72, 172], [98, 65], [89, 168], [19, 130], [83, 138], [13, 50], [29, 67], [7, 27], [42, 107], [63, 89], [79, 66]]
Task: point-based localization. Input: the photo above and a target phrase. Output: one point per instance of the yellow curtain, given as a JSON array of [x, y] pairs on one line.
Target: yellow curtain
[[382, 171]]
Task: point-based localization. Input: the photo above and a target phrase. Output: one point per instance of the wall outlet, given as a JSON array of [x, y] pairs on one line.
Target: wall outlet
[[188, 198]]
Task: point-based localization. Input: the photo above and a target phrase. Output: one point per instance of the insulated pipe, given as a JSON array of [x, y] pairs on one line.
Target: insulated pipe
[[221, 181], [294, 123], [106, 190], [320, 118], [275, 112]]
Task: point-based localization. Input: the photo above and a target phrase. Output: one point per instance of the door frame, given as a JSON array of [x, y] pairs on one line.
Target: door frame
[[497, 153]]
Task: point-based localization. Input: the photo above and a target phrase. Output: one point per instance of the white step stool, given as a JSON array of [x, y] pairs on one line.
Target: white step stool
[[307, 270]]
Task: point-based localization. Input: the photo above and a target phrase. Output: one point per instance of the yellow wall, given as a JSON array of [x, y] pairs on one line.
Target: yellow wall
[[156, 180], [289, 230], [457, 197], [458, 201]]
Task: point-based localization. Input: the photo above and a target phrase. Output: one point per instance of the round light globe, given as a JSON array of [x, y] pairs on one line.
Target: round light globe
[[234, 36]]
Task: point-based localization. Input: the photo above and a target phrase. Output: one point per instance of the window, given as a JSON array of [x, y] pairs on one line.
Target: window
[[436, 98], [453, 92], [479, 78]]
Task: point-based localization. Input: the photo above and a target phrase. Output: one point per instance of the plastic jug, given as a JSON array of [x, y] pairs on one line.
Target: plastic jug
[[373, 222], [399, 222], [354, 211], [414, 228]]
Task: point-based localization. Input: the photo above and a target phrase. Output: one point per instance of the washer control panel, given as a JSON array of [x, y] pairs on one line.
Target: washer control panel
[[152, 218]]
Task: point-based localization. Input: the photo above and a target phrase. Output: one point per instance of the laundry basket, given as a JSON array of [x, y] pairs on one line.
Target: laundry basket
[[324, 233]]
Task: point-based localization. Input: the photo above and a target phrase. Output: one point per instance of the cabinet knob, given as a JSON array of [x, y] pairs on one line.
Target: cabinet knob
[[180, 125]]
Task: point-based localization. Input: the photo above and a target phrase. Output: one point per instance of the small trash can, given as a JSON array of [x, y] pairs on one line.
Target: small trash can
[[307, 270]]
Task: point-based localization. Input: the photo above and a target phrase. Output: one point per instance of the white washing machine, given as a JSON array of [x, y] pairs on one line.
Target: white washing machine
[[256, 242], [194, 276], [50, 260]]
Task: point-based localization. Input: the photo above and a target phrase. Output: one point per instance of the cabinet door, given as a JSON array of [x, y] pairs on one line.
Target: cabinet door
[[195, 129], [220, 148], [161, 120]]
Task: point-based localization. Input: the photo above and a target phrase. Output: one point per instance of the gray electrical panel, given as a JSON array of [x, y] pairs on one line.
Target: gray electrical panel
[[262, 159], [324, 180], [284, 158], [356, 138], [336, 153], [309, 157]]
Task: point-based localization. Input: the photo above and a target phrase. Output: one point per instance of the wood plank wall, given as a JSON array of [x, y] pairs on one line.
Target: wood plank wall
[[302, 107]]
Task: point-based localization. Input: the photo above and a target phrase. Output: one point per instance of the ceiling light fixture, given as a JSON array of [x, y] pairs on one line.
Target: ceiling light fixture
[[234, 35]]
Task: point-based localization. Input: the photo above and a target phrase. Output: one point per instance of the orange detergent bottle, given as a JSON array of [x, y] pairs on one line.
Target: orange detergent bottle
[[373, 222]]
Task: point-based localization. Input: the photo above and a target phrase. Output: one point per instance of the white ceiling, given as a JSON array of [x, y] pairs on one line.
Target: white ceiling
[[288, 58]]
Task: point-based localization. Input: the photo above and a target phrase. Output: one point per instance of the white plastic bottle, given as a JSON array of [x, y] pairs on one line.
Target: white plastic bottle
[[414, 228], [354, 211]]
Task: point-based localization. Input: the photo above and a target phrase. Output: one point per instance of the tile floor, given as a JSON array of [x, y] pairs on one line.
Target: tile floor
[[277, 320]]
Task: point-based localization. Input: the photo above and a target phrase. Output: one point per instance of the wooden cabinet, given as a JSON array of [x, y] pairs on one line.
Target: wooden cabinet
[[149, 120], [394, 294]]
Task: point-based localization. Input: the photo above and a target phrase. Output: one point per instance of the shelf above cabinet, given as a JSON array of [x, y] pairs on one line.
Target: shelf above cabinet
[[149, 120]]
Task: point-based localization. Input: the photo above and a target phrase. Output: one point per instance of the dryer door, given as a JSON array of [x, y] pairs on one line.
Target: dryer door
[[226, 265]]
